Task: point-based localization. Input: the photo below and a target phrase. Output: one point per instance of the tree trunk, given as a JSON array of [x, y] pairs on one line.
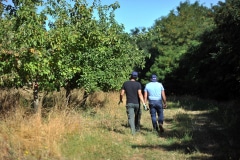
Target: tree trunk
[[36, 98], [68, 95], [85, 96]]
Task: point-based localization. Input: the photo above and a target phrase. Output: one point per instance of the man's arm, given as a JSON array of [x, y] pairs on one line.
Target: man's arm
[[145, 100], [145, 96], [141, 96], [164, 99], [122, 92]]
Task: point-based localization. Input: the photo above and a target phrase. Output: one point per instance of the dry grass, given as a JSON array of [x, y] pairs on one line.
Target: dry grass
[[24, 136], [100, 130], [32, 136]]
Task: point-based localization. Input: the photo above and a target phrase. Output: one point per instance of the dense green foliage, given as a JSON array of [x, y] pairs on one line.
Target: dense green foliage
[[193, 50], [211, 69], [73, 47], [178, 32], [173, 35]]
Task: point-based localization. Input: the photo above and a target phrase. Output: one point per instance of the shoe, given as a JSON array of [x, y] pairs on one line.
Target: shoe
[[155, 130], [161, 128], [137, 130]]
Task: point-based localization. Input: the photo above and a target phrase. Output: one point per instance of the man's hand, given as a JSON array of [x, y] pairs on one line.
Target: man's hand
[[164, 106], [145, 107], [120, 102]]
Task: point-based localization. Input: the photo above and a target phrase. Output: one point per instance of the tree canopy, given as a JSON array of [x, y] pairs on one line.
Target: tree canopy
[[193, 50], [65, 44], [73, 43]]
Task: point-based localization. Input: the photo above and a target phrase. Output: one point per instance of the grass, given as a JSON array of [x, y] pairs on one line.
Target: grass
[[100, 130]]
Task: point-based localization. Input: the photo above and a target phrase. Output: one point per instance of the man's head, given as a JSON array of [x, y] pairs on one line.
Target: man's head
[[134, 75], [153, 78]]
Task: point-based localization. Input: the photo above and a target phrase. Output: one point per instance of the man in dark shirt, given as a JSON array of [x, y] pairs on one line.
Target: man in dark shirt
[[133, 91]]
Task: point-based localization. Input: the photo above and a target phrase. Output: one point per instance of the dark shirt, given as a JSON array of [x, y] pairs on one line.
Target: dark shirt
[[131, 89]]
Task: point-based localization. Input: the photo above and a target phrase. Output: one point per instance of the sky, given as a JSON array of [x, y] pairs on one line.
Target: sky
[[143, 13]]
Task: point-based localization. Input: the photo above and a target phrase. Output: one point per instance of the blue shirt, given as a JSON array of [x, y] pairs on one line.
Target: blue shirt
[[154, 90]]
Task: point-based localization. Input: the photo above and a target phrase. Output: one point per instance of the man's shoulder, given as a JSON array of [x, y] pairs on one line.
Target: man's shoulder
[[153, 84], [124, 83], [131, 82]]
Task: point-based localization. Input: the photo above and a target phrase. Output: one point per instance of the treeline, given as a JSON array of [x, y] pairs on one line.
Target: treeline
[[193, 50], [60, 43]]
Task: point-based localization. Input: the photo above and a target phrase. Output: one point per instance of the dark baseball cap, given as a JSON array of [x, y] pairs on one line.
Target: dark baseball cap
[[154, 78], [134, 74]]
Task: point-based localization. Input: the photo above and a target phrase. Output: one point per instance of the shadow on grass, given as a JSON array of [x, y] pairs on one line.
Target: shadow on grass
[[195, 133], [143, 129], [192, 103]]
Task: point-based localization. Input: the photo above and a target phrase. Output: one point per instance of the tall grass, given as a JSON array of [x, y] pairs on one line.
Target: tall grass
[[100, 130], [30, 136]]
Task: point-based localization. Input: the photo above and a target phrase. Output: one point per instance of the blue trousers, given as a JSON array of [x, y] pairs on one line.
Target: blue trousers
[[156, 111], [134, 116]]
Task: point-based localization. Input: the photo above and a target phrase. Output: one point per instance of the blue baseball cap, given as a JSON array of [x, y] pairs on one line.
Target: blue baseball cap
[[154, 78], [134, 74]]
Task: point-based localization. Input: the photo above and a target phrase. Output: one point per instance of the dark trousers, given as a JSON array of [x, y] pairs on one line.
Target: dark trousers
[[134, 116], [156, 111]]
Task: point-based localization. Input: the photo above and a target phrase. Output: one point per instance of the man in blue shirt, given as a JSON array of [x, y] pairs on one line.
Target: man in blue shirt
[[133, 91], [155, 94]]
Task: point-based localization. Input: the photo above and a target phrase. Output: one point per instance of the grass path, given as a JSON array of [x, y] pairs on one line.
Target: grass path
[[189, 134], [101, 132]]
